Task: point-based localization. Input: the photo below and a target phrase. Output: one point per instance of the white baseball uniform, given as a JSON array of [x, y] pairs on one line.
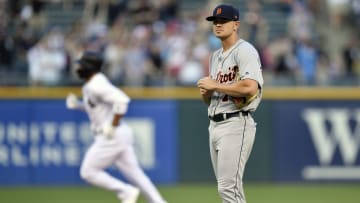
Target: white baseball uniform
[[232, 133], [101, 100]]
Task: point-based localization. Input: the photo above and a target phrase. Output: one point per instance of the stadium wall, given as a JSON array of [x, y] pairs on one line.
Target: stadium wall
[[303, 135]]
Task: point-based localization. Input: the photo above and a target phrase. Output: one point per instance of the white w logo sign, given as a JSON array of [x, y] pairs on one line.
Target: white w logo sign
[[330, 128]]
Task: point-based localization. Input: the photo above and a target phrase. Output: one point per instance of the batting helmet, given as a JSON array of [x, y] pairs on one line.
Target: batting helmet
[[89, 63]]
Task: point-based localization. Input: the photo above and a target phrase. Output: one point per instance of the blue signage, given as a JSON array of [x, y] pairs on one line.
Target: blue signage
[[316, 140], [42, 142]]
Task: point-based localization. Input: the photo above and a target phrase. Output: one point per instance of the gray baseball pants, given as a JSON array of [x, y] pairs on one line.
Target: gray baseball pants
[[231, 142]]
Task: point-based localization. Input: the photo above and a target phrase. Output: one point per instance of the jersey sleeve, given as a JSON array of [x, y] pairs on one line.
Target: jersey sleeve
[[210, 65], [249, 64], [212, 68]]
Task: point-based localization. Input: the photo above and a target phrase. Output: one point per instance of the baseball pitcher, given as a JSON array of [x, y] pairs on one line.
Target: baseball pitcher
[[232, 91]]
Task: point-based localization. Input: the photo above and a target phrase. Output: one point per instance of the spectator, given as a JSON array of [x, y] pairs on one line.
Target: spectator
[[156, 72], [47, 60], [307, 57], [168, 10], [254, 24], [191, 72], [97, 11], [351, 56], [143, 12], [6, 51], [114, 56], [355, 13], [301, 22], [33, 14], [136, 62], [279, 61]]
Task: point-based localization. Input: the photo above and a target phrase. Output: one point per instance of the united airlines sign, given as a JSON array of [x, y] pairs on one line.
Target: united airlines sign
[[41, 142], [317, 140], [334, 129]]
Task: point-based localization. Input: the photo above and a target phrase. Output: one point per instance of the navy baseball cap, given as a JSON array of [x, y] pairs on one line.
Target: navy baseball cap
[[224, 11]]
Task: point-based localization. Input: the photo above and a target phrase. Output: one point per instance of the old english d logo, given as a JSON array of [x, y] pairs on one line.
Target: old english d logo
[[330, 130], [218, 11]]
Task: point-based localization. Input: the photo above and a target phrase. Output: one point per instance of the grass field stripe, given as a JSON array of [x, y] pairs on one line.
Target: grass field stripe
[[331, 173]]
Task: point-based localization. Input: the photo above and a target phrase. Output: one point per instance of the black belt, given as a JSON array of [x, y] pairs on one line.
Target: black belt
[[223, 116]]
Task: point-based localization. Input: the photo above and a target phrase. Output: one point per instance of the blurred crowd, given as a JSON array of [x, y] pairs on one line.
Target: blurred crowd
[[168, 43]]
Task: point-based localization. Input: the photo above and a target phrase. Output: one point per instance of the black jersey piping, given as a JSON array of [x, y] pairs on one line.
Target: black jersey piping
[[239, 161]]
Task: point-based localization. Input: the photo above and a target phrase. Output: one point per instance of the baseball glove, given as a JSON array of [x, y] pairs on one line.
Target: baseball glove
[[241, 102]]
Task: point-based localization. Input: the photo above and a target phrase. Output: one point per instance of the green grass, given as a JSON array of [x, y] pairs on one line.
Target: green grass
[[190, 193]]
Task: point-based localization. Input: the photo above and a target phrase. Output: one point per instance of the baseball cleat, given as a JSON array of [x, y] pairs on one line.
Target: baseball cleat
[[132, 196]]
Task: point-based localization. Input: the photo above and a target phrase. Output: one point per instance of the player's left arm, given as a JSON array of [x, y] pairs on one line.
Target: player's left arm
[[241, 88], [250, 79]]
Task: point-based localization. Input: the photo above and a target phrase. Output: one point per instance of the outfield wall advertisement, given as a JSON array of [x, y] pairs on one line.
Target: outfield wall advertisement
[[317, 140], [41, 142]]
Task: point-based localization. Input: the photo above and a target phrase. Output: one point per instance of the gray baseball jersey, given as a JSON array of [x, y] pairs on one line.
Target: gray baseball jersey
[[243, 61], [231, 140]]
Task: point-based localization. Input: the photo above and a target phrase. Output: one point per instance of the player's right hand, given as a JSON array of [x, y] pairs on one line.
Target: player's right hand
[[72, 101], [207, 83]]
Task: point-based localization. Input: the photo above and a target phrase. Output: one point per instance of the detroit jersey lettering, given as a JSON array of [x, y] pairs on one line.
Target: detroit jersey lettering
[[227, 68]]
